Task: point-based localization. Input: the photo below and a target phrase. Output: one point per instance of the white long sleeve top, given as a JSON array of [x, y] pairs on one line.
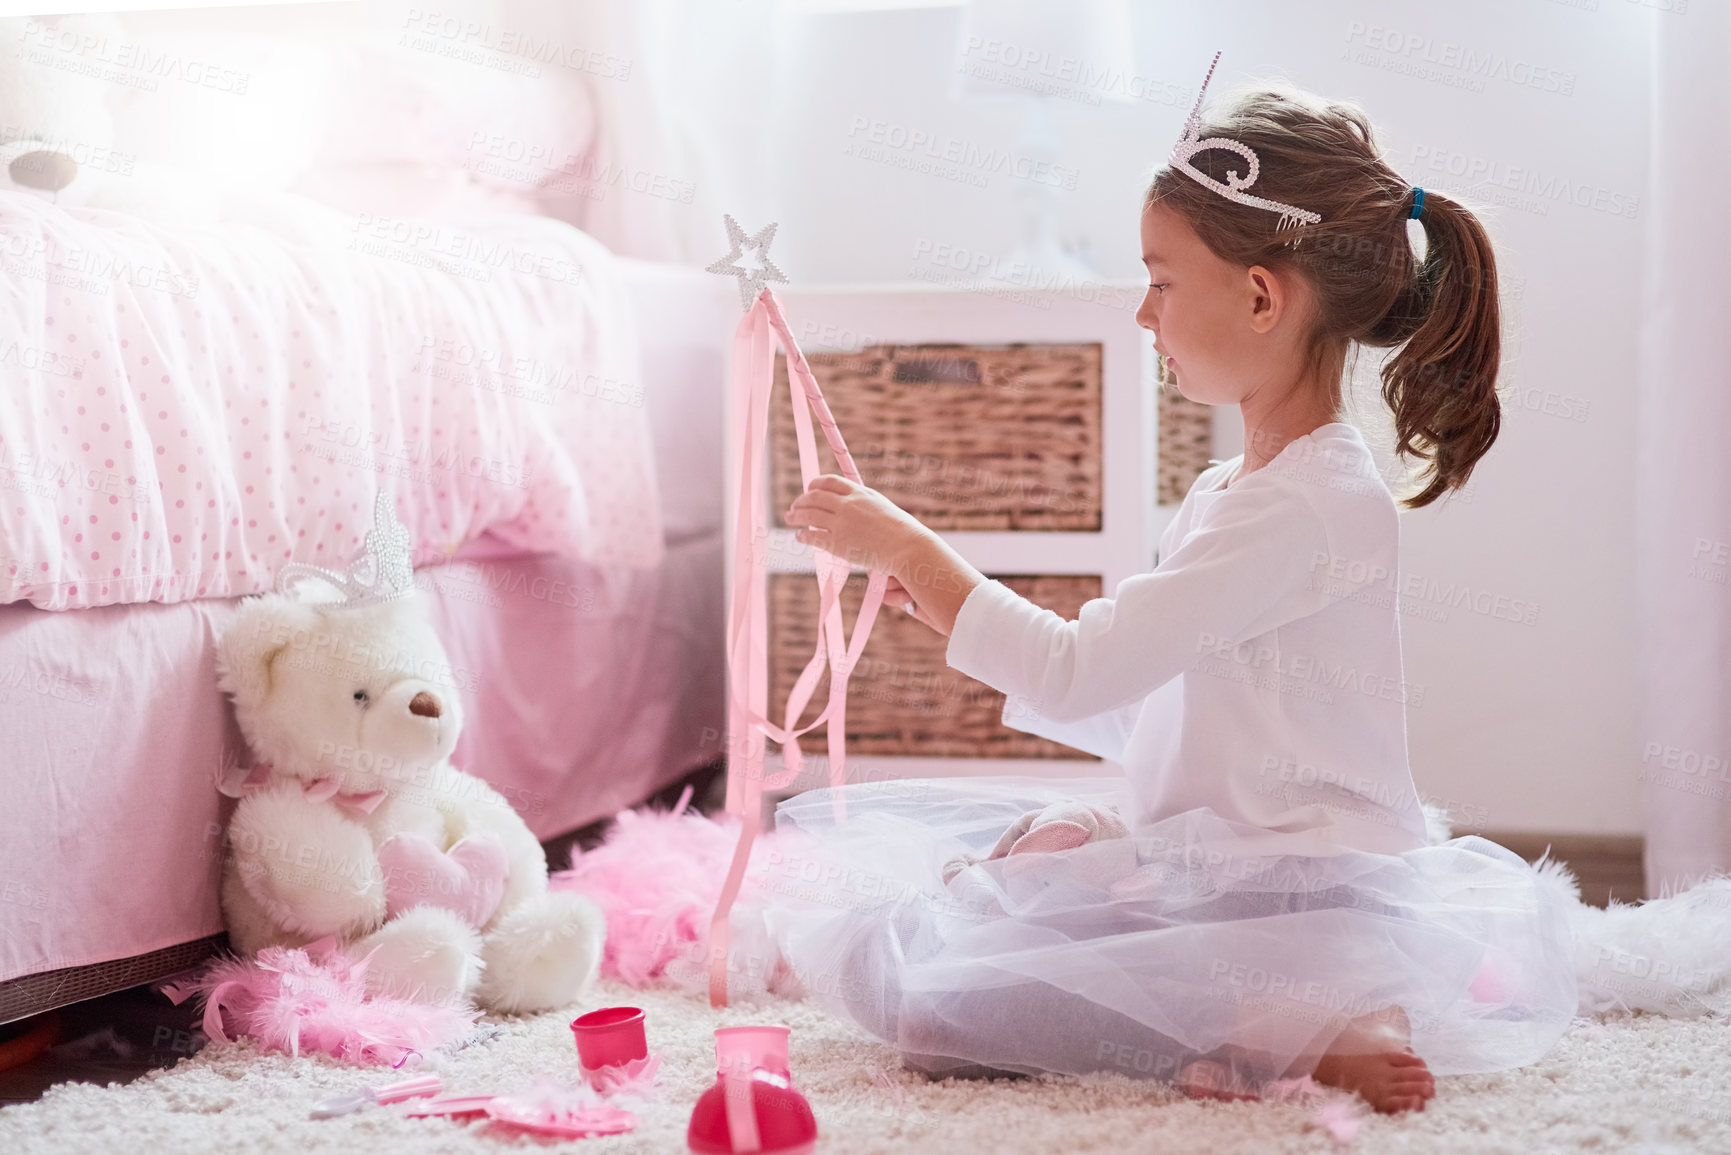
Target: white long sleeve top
[[1256, 670]]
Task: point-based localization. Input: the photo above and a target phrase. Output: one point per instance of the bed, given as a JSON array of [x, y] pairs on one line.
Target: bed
[[595, 646]]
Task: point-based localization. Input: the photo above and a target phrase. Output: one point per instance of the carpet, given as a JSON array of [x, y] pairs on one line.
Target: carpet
[[1635, 1084]]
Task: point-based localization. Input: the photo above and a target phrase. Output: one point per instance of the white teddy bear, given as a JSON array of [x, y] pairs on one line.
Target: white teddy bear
[[353, 823]]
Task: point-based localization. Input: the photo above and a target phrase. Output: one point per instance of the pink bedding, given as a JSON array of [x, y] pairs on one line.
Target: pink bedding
[[592, 686], [185, 409], [580, 702]]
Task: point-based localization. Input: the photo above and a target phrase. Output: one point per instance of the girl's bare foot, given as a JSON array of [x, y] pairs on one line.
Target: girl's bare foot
[[1373, 1056]]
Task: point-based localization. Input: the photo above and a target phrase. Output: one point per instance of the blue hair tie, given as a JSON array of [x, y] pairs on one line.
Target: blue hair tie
[[1417, 203]]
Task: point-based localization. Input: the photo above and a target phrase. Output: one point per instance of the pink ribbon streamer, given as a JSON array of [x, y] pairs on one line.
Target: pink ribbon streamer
[[747, 624]]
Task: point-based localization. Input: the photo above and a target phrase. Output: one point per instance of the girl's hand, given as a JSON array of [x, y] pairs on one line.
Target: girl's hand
[[855, 524], [896, 594], [860, 526]]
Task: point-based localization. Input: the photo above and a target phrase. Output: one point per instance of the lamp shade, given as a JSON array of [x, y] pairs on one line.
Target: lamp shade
[[1067, 49]]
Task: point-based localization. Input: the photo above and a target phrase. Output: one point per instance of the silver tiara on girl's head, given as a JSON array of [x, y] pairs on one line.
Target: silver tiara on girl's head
[[1233, 190]]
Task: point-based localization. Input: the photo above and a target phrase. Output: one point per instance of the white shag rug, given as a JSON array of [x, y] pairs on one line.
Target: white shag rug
[[1635, 1084]]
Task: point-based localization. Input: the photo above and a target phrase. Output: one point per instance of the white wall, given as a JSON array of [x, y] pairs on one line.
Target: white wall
[[1522, 727]]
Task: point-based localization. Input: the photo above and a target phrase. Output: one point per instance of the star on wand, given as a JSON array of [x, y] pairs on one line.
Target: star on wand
[[752, 274]]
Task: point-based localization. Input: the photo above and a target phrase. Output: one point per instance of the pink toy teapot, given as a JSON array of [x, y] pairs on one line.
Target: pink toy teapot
[[753, 1105]]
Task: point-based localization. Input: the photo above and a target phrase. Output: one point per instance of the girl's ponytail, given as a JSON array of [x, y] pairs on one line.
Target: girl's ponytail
[[1441, 384]]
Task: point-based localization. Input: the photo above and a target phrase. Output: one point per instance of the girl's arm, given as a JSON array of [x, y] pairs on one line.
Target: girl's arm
[[1244, 570], [1247, 568]]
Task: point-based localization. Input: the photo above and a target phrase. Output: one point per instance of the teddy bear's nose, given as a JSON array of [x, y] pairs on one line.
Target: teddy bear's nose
[[424, 704]]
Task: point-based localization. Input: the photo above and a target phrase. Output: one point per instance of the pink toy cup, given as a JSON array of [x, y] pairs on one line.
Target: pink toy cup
[[752, 1048], [610, 1037]]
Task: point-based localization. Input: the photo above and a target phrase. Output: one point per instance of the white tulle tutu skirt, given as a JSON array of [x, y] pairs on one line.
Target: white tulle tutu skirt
[[1193, 938]]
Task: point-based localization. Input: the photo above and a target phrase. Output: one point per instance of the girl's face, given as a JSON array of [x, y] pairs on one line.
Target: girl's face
[[1227, 332]]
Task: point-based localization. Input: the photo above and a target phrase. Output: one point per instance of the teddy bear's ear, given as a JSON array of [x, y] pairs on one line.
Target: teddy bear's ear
[[259, 631]]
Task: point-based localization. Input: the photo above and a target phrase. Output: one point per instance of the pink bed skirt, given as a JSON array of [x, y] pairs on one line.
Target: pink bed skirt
[[589, 691]]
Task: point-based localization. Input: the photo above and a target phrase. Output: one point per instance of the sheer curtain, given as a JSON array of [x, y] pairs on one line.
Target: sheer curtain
[[1683, 468], [684, 95]]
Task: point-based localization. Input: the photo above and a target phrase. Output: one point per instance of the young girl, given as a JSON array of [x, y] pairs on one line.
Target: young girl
[[1257, 899]]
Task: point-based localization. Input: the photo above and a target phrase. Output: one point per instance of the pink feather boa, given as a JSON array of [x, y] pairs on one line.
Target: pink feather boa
[[657, 877], [314, 999]]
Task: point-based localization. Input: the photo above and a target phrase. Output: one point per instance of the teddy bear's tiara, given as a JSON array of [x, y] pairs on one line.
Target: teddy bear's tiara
[[384, 571], [1190, 144]]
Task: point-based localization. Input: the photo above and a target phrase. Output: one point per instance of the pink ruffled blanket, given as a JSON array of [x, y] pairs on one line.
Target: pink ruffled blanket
[[186, 408]]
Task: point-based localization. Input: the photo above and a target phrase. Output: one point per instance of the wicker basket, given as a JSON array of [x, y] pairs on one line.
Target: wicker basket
[[1186, 439], [903, 698], [963, 437]]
